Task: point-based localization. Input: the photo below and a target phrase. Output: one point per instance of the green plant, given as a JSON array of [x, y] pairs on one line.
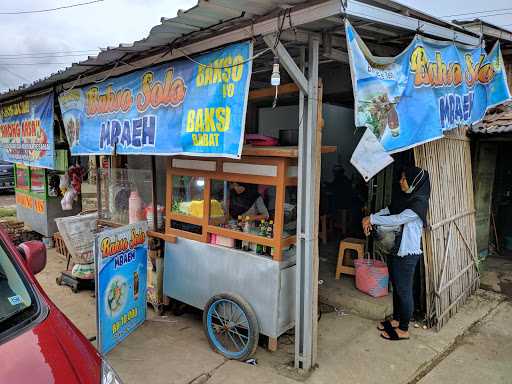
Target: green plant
[[7, 212]]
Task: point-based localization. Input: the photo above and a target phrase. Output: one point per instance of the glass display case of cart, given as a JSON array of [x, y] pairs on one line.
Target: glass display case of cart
[[22, 177], [187, 207], [40, 182], [126, 196], [252, 203]]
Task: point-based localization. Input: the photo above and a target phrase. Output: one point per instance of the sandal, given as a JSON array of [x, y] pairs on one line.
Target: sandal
[[393, 335], [385, 325]]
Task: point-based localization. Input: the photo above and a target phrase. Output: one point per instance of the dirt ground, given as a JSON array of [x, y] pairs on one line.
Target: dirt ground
[[7, 199], [496, 274]]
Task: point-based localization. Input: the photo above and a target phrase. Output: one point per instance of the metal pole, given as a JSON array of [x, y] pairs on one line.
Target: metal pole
[[307, 258], [299, 276]]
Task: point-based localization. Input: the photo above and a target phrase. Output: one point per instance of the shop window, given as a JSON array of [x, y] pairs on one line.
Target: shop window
[[22, 177], [188, 196]]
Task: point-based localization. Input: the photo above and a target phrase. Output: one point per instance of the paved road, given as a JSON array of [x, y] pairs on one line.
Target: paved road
[[7, 199], [483, 356]]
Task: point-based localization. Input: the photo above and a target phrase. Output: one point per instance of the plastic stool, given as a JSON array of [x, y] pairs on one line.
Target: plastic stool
[[354, 244]]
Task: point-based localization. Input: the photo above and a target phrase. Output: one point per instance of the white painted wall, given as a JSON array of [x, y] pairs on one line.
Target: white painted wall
[[338, 130]]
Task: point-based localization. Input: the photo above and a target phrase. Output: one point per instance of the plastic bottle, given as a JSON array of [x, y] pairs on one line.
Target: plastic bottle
[[260, 249], [246, 246], [239, 227], [270, 234], [134, 207]]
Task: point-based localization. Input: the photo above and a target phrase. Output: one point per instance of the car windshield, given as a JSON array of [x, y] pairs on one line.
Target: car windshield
[[14, 295]]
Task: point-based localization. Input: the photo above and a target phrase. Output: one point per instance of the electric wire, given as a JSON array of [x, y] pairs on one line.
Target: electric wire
[[38, 63], [478, 12], [50, 9], [225, 66], [41, 56], [496, 14], [15, 74], [37, 53]]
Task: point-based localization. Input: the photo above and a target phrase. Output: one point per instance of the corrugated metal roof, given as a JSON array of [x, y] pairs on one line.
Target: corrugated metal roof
[[207, 18], [497, 120]]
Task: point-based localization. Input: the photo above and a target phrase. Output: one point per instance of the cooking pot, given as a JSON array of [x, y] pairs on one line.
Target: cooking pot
[[289, 137]]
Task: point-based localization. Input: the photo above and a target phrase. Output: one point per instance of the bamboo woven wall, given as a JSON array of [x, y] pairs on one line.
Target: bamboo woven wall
[[449, 242]]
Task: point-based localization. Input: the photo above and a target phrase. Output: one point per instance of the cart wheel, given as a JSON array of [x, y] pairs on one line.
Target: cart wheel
[[159, 309], [58, 280], [231, 326], [74, 288]]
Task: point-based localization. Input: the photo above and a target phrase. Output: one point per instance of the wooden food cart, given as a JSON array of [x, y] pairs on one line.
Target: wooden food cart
[[253, 288]]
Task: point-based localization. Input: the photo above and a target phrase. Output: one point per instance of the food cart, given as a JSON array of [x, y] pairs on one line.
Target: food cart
[[38, 202], [242, 275]]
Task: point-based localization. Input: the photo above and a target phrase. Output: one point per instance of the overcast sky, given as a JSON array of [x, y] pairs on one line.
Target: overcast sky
[[111, 22]]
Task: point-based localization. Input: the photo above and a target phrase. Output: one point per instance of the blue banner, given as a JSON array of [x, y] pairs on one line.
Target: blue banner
[[430, 87], [26, 132], [121, 283], [190, 106]]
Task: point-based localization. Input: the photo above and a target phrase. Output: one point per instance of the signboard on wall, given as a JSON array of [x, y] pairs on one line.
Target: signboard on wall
[[428, 89], [188, 106], [26, 132], [121, 273]]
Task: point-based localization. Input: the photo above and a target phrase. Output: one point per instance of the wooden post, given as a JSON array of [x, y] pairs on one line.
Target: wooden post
[[153, 192], [98, 185]]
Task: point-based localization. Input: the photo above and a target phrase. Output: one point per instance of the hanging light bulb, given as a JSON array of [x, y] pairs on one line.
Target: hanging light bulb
[[275, 79]]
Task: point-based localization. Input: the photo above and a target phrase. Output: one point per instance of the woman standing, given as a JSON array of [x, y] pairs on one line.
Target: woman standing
[[410, 212]]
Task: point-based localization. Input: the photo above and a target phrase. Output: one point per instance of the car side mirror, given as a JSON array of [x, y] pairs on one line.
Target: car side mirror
[[34, 253]]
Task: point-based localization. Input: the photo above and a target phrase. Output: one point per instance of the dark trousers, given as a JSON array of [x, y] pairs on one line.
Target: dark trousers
[[401, 274]]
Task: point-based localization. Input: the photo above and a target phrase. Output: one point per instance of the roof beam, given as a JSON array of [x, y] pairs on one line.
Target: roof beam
[[487, 30], [368, 12], [287, 61]]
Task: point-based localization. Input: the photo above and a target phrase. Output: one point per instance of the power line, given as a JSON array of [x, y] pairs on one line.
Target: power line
[[48, 63], [41, 56], [497, 14], [478, 12], [48, 53], [15, 74], [50, 9]]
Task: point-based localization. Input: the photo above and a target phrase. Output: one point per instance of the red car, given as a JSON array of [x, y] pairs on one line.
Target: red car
[[38, 344]]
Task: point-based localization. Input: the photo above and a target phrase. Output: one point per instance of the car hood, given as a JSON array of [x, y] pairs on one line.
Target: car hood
[[51, 352]]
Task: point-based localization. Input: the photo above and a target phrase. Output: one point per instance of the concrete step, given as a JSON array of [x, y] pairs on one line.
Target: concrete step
[[343, 294]]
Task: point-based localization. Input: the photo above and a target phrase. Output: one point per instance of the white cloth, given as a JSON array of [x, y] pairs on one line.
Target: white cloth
[[370, 157], [411, 234]]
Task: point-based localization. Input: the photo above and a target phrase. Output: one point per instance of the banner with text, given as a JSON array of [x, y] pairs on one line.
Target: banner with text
[[121, 274], [26, 132], [189, 106], [429, 88]]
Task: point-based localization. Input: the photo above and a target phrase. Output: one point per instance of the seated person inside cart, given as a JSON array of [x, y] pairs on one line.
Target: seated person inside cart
[[245, 200]]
